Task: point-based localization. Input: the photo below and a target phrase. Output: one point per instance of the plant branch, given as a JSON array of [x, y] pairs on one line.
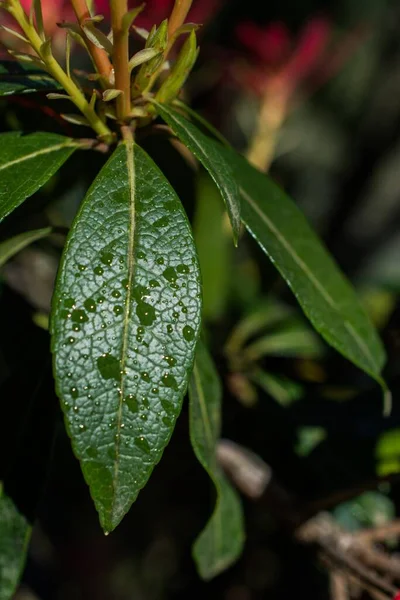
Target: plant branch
[[119, 8], [178, 16], [98, 55], [43, 50]]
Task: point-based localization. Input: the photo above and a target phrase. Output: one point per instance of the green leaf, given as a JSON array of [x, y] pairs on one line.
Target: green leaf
[[221, 542], [23, 79], [27, 162], [284, 390], [208, 153], [14, 245], [323, 292], [176, 79], [214, 246], [125, 321], [294, 339], [15, 533]]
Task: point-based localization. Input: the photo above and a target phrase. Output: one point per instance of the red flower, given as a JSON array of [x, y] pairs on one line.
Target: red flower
[[156, 11], [277, 58]]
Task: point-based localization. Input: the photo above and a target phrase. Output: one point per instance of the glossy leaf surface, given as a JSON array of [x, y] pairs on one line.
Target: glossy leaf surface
[[221, 542], [21, 79], [27, 162], [10, 247], [14, 538], [125, 322], [323, 292], [207, 152]]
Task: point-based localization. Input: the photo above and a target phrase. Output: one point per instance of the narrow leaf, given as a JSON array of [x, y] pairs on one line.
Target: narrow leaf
[[282, 389], [27, 162], [176, 79], [23, 79], [142, 56], [221, 542], [293, 339], [323, 292], [97, 37], [125, 321], [208, 153], [10, 247], [15, 533]]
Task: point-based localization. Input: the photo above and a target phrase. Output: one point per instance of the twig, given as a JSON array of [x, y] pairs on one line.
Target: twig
[[338, 586], [98, 55]]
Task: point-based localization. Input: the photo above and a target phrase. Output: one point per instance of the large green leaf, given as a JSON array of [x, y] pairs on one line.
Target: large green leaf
[[14, 538], [14, 245], [207, 152], [125, 321], [221, 542], [27, 162], [323, 292], [23, 79]]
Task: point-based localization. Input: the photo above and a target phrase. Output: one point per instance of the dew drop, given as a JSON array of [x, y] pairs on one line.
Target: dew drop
[[98, 270], [116, 294], [74, 392], [183, 269], [132, 403], [170, 274], [107, 258], [82, 267], [162, 222], [90, 305], [109, 367], [143, 444], [69, 302], [79, 316], [188, 333], [169, 381], [160, 260], [71, 340], [170, 328], [146, 313], [168, 407], [145, 376], [118, 310], [170, 360]]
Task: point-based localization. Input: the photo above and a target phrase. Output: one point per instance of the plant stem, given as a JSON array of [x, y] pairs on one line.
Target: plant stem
[[178, 15], [44, 52], [119, 8], [274, 109], [99, 56]]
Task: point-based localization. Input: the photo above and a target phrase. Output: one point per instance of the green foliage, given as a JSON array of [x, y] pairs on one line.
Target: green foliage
[[221, 541], [127, 311], [207, 152], [14, 538], [14, 245], [16, 78], [35, 157]]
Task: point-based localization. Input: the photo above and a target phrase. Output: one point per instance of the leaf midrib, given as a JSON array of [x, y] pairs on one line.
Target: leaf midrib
[[48, 150], [129, 145], [303, 266]]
